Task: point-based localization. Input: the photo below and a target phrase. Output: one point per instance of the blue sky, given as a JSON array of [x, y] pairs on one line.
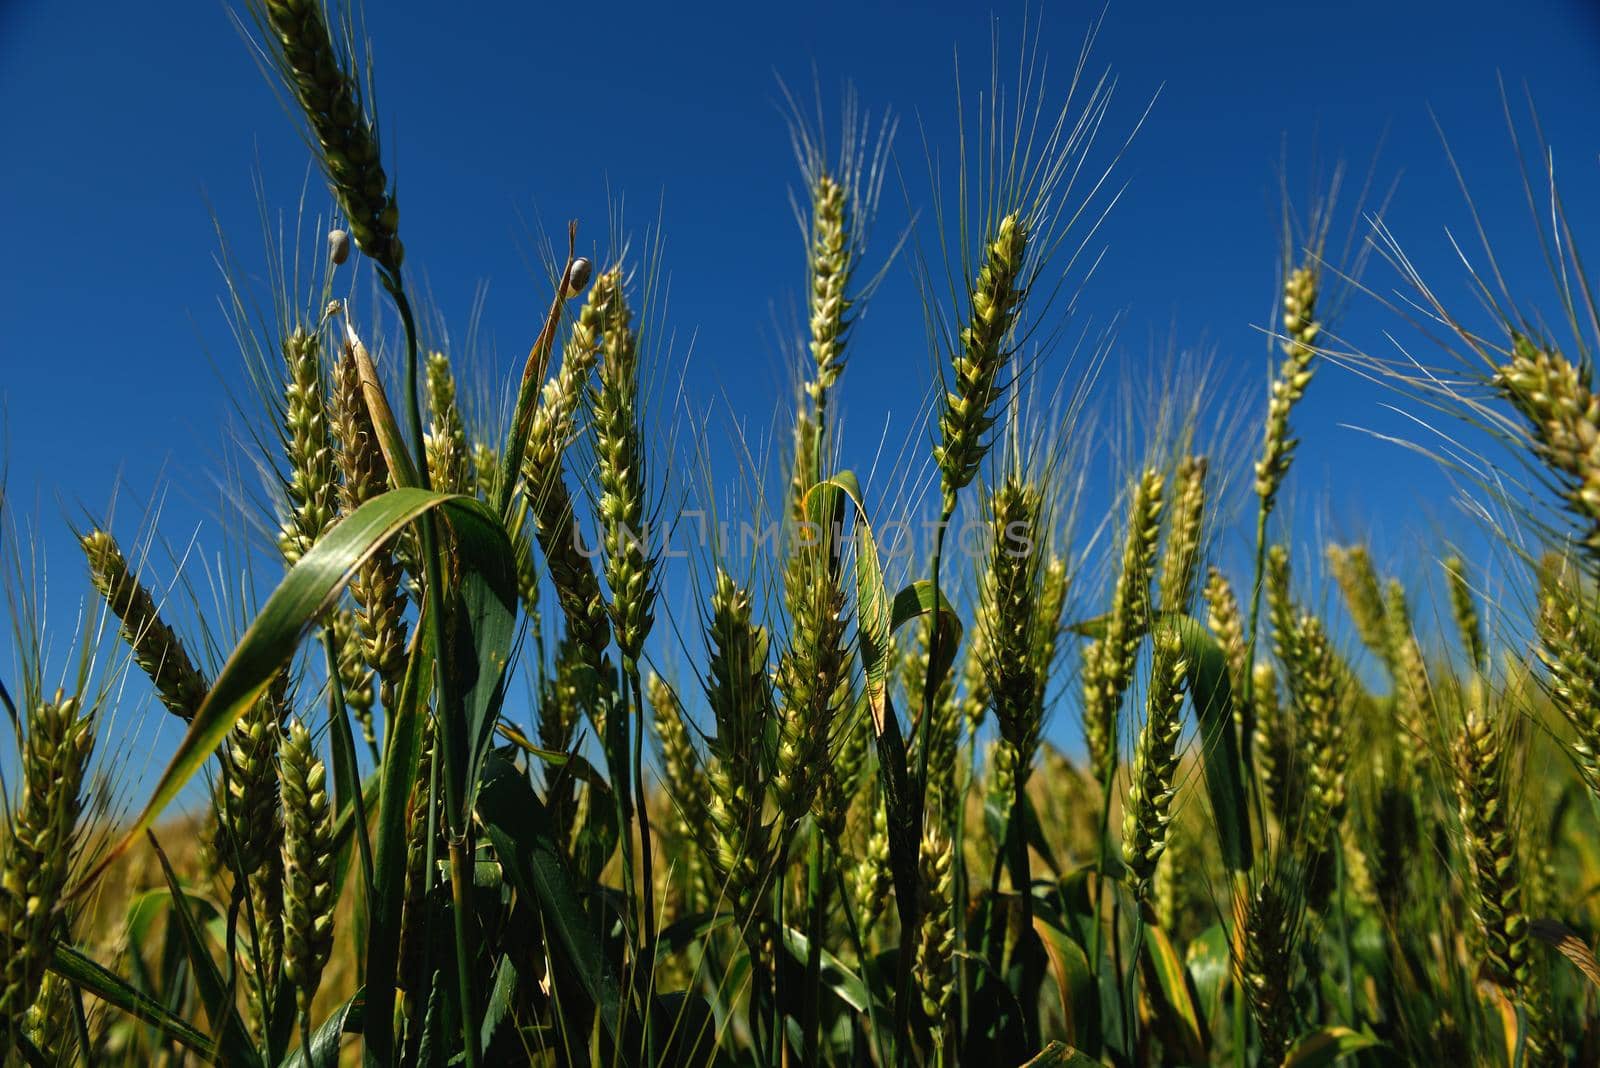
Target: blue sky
[[124, 133]]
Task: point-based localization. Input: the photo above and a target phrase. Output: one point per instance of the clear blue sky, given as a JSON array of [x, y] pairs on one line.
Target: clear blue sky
[[123, 131]]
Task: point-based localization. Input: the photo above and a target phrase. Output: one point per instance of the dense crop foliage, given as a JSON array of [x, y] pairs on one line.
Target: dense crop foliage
[[833, 830]]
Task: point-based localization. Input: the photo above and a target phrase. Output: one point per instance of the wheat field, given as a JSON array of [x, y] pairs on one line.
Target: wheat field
[[437, 800]]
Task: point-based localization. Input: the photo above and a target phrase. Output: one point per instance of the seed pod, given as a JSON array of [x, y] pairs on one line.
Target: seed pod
[[578, 275], [338, 246]]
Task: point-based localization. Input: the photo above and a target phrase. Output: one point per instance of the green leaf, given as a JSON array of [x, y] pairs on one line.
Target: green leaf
[[115, 991], [498, 1007], [1075, 983], [233, 1043], [326, 1039], [478, 632], [690, 1029], [681, 934], [1061, 1055], [1171, 999], [836, 976], [310, 588], [1314, 1049], [920, 599], [519, 827], [402, 744], [1213, 703], [553, 757], [1209, 968]]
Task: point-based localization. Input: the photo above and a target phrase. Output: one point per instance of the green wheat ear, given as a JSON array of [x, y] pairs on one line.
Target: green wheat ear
[[1153, 781], [1016, 577], [740, 696], [1180, 559], [936, 941], [1109, 662], [969, 410], [680, 763], [1569, 647], [445, 442], [1314, 688], [307, 866], [1274, 741], [39, 849], [156, 647], [1226, 621], [1464, 607], [1557, 399], [1363, 597], [1488, 839], [312, 490], [830, 268], [330, 97], [1270, 916], [620, 472], [1300, 330]]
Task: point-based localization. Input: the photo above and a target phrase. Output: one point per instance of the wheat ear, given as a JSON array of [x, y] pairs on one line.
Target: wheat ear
[[1300, 331], [39, 849], [1153, 781], [307, 866], [156, 648]]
